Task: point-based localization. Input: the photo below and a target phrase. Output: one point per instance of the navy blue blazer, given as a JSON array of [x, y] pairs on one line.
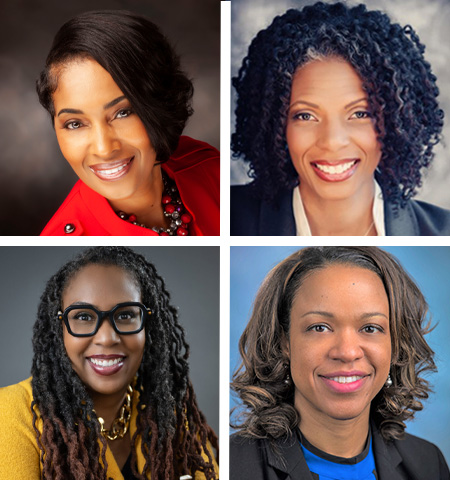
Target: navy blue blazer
[[409, 459], [251, 216]]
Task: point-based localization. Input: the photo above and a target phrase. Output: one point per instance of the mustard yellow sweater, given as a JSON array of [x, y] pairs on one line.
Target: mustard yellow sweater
[[19, 452]]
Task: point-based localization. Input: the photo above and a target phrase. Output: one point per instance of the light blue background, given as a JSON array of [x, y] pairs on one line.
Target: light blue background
[[428, 266]]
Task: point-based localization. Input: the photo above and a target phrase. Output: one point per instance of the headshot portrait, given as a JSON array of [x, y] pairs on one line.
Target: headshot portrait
[[123, 359], [339, 363], [111, 115], [338, 118]]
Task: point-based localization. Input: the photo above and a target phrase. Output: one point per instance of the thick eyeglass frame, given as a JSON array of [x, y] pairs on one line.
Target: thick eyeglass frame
[[101, 316]]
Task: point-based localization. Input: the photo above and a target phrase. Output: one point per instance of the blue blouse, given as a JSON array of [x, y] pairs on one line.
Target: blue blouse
[[329, 467]]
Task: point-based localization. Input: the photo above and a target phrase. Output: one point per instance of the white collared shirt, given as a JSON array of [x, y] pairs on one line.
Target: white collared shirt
[[302, 225]]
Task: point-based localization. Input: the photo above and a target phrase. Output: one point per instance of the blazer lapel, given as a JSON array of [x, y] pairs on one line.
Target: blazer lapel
[[289, 459], [277, 218], [402, 222]]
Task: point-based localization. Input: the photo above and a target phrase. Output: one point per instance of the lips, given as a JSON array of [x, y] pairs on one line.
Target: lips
[[112, 171], [106, 364], [345, 382], [335, 171]]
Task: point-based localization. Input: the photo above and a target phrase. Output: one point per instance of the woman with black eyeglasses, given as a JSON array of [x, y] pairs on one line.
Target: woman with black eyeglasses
[[110, 395]]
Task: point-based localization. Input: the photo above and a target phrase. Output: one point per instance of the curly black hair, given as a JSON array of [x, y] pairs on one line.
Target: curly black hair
[[398, 80], [141, 62], [173, 431]]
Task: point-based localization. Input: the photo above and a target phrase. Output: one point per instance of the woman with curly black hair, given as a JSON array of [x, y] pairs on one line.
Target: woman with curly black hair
[[333, 359], [337, 118], [110, 395], [119, 102]]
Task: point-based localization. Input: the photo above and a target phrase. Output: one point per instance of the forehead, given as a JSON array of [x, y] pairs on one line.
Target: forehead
[[327, 79], [83, 84], [101, 283], [342, 285]]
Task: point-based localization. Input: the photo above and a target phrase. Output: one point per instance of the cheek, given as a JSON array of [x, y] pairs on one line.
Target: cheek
[[135, 134], [299, 143], [71, 149], [368, 141]]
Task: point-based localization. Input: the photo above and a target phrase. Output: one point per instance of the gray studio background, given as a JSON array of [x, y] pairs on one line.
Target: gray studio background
[[34, 177], [430, 19], [192, 278]]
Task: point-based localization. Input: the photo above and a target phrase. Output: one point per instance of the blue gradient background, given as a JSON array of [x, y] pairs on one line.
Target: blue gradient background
[[428, 266]]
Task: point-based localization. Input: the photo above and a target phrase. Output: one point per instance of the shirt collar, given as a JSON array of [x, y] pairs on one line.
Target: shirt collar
[[301, 221]]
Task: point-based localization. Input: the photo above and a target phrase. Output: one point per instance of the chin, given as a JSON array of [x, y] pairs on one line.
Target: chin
[[346, 412]]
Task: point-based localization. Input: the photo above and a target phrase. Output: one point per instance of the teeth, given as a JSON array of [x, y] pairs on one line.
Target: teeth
[[345, 379], [112, 171], [106, 363], [341, 168]]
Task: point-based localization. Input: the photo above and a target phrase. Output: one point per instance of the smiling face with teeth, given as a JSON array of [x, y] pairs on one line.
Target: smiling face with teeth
[[106, 362], [330, 133], [100, 136], [339, 344]]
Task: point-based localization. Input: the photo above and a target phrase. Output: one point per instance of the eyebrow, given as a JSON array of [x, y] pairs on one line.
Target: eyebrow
[[330, 315], [313, 105], [105, 107]]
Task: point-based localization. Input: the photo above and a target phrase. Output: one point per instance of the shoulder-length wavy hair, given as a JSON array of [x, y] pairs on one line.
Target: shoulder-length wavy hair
[[389, 59], [139, 59], [259, 381], [173, 430]]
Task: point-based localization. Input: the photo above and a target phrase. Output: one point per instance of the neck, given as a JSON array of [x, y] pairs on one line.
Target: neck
[[108, 406], [341, 438], [146, 203], [343, 217]]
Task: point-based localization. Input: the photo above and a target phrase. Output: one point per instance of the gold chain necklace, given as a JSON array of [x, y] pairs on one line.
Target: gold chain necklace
[[121, 424]]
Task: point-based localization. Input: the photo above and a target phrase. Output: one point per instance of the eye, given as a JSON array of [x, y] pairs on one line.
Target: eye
[[125, 112], [361, 114], [304, 117], [319, 328], [372, 329], [74, 125], [83, 317]]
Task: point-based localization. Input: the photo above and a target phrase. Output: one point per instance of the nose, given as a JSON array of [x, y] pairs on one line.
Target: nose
[[104, 141], [106, 335], [346, 347], [333, 135]]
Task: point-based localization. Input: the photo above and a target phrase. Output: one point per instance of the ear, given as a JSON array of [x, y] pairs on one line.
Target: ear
[[285, 349]]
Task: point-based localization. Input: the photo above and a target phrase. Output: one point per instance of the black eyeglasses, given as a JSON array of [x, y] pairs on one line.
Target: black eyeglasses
[[85, 320]]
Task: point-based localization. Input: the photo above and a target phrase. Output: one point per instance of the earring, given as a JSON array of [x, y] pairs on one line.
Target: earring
[[388, 381], [287, 378]]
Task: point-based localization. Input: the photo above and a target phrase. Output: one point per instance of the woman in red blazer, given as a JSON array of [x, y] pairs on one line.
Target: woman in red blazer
[[119, 108]]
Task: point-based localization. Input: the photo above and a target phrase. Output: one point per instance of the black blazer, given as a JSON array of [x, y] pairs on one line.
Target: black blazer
[[409, 459], [251, 216]]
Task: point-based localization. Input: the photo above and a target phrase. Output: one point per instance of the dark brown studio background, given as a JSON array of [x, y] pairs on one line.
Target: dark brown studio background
[[34, 176]]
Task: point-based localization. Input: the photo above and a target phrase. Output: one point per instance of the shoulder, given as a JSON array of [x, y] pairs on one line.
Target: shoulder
[[244, 210], [248, 457], [192, 153], [19, 450], [69, 218], [422, 456], [433, 220], [16, 394], [412, 443], [416, 218], [195, 167]]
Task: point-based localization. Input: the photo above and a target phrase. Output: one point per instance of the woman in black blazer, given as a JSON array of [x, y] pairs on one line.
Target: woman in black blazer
[[337, 118], [332, 366]]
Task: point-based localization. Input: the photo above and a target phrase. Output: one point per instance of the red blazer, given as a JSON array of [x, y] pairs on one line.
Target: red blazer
[[194, 166]]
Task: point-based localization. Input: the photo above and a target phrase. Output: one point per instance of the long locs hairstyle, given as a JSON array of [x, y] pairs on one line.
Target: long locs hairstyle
[[171, 429], [268, 400]]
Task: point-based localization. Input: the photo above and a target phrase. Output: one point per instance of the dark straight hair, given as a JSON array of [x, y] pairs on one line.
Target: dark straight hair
[[139, 59]]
